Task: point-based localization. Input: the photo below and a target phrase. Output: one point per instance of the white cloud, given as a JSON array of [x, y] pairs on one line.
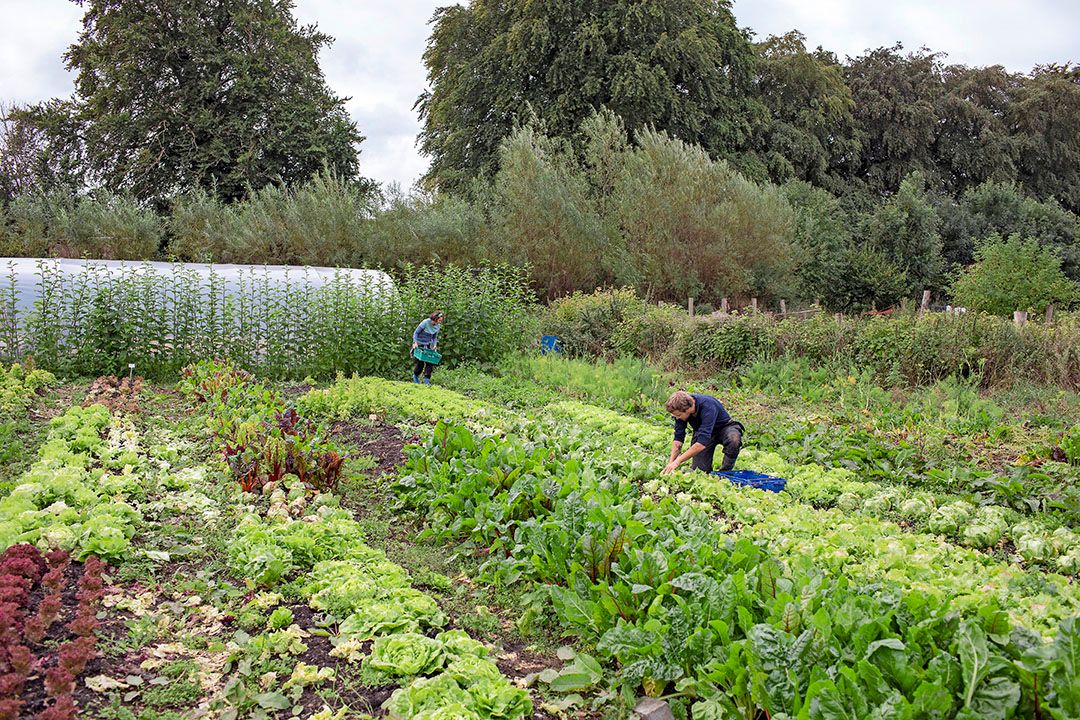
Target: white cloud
[[376, 59], [1018, 35]]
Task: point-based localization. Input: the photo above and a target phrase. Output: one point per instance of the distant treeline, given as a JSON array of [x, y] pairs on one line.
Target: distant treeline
[[651, 145]]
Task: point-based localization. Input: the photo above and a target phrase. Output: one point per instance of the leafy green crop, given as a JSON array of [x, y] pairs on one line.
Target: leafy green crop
[[68, 498], [682, 605], [405, 654]]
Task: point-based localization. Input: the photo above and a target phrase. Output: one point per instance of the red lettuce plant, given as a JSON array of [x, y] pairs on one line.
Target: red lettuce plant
[[63, 708], [75, 654], [22, 628], [58, 681], [9, 709]]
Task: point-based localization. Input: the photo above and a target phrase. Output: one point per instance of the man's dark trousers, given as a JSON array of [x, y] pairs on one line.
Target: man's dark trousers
[[730, 439]]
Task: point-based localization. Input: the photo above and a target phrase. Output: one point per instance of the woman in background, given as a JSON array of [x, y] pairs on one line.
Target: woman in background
[[426, 335]]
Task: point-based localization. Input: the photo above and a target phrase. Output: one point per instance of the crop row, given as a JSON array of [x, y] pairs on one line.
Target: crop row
[[1034, 540], [35, 640], [980, 527], [690, 609], [19, 385], [68, 498], [866, 548], [499, 493], [294, 535]]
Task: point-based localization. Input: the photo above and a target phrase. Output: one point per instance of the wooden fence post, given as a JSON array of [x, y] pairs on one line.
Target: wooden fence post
[[925, 301], [690, 306], [723, 305], [753, 305], [1049, 314], [1020, 317], [783, 308]]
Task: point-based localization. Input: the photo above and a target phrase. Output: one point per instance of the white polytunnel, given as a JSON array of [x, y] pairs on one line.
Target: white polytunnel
[[24, 275]]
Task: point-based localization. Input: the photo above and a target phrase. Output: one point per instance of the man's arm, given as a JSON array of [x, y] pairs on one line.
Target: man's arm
[[677, 459]]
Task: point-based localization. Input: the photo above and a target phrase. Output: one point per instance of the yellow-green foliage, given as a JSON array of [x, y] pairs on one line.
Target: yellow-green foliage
[[618, 427], [18, 385], [625, 384], [362, 396]]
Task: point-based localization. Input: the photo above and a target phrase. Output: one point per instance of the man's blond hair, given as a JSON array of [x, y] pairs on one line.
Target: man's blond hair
[[679, 401]]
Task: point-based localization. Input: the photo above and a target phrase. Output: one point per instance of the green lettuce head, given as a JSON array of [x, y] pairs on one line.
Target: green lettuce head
[[405, 654], [425, 694], [499, 700]]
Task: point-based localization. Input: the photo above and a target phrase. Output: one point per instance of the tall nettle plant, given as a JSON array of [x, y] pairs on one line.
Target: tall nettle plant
[[97, 322]]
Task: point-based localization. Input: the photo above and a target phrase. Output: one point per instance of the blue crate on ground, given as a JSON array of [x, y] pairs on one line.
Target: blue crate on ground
[[749, 478], [550, 344]]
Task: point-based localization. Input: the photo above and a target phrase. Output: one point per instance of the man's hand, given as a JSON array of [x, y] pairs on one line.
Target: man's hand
[[670, 467], [414, 346]]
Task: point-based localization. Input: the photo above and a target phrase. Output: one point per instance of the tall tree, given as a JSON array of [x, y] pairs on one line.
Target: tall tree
[[972, 143], [225, 95], [1045, 121], [896, 97], [543, 216], [40, 150], [1004, 209], [811, 134], [680, 66], [696, 227], [906, 230]]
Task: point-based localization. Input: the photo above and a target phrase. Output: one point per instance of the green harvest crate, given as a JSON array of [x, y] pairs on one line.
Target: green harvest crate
[[426, 355]]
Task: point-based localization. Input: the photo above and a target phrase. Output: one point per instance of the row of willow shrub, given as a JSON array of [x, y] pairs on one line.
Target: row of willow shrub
[[910, 348], [97, 323], [916, 349]]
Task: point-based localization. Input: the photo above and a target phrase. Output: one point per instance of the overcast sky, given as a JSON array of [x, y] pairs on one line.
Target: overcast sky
[[376, 57]]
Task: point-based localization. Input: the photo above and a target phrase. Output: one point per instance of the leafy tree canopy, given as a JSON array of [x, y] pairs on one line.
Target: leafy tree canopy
[[680, 66], [226, 96], [811, 133], [1013, 274]]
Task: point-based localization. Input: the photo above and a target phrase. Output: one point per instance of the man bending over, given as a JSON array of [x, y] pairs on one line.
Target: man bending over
[[712, 426]]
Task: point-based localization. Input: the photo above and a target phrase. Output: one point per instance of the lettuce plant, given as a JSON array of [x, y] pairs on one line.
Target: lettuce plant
[[405, 654]]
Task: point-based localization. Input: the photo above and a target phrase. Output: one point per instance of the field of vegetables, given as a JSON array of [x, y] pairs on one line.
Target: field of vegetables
[[501, 546]]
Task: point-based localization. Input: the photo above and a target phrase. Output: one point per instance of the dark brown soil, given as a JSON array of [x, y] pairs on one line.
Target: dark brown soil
[[62, 398], [361, 699], [379, 439], [34, 696]]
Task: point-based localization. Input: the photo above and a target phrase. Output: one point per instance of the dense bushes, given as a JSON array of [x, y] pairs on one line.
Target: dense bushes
[[914, 349], [102, 226], [905, 348], [1013, 274], [647, 212]]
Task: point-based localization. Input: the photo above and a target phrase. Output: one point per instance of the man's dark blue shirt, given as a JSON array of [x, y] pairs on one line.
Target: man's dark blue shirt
[[708, 420]]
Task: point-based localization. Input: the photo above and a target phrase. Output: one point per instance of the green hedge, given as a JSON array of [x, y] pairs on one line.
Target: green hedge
[[909, 348]]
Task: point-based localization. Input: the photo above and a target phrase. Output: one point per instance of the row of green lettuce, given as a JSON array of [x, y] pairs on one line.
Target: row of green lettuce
[[939, 438], [93, 482], [690, 609], [1036, 539], [76, 495], [292, 538], [19, 386], [865, 548]]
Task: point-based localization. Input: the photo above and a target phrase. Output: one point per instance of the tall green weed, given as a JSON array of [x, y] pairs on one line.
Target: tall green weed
[[99, 323]]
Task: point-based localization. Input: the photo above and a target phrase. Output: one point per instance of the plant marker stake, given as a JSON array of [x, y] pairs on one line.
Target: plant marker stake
[[131, 371]]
